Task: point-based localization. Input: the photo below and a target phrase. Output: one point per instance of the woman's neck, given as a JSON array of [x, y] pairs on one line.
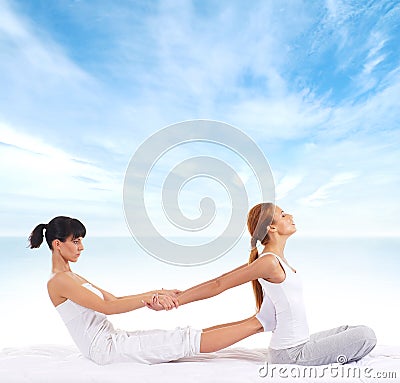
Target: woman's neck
[[275, 246], [59, 264]]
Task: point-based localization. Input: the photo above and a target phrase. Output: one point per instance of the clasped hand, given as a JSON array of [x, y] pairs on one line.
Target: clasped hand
[[163, 300]]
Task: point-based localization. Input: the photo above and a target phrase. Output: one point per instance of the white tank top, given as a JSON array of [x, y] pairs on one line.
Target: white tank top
[[291, 320], [84, 324]]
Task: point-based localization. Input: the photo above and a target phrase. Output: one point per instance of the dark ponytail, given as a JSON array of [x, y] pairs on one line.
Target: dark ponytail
[[58, 228], [36, 237]]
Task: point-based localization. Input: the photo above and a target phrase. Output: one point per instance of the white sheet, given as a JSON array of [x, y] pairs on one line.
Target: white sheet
[[50, 363]]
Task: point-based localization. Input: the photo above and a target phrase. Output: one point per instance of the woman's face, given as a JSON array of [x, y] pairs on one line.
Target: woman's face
[[283, 222], [71, 249]]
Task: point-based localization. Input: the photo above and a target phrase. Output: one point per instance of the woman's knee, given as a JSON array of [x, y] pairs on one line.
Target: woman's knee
[[368, 336], [368, 333]]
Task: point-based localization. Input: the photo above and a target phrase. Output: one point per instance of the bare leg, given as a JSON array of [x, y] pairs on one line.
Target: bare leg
[[226, 324], [219, 337]]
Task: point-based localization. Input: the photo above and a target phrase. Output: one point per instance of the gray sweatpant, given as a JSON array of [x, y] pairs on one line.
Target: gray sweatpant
[[339, 345]]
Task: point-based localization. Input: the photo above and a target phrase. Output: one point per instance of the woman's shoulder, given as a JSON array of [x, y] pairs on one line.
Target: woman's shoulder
[[62, 278], [55, 286], [60, 283], [56, 279], [268, 265], [268, 259]]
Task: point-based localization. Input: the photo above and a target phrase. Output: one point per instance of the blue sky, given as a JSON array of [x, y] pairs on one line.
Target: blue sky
[[315, 84]]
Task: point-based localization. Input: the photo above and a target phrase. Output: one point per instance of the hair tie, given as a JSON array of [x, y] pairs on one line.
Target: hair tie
[[253, 242]]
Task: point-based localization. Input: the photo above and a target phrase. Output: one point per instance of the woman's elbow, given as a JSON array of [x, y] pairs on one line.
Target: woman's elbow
[[110, 298], [107, 308]]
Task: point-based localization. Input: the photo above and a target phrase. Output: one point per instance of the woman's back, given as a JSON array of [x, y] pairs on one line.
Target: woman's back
[[84, 325]]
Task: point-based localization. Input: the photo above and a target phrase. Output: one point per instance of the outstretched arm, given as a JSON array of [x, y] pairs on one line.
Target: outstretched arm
[[261, 268], [110, 297], [66, 287]]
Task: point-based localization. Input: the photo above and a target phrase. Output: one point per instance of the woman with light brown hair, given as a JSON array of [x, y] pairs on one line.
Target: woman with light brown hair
[[275, 280]]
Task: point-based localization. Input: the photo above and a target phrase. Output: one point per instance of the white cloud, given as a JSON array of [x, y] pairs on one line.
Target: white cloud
[[44, 92], [33, 60], [288, 117], [29, 143], [370, 65], [286, 184], [41, 181], [376, 44], [322, 195]]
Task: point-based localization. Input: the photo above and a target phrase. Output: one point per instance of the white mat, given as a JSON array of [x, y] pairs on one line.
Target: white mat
[[58, 364]]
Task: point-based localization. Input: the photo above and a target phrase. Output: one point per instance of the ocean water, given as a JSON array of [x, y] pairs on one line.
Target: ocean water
[[346, 281]]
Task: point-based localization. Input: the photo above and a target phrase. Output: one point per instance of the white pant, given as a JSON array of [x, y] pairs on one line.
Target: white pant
[[149, 347]]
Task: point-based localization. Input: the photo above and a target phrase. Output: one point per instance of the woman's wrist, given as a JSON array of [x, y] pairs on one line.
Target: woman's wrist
[[148, 297]]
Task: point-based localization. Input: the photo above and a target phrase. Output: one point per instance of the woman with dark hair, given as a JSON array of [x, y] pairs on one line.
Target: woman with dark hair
[[84, 306], [275, 280]]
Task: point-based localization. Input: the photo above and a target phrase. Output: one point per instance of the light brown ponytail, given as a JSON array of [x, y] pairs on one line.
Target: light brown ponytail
[[258, 220], [257, 289]]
